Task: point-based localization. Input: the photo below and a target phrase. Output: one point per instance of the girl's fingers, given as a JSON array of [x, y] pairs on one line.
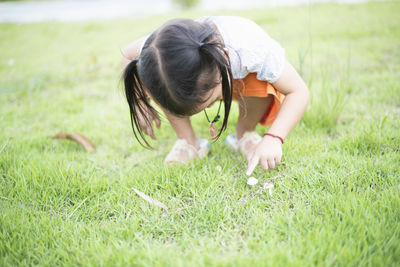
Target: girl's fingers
[[151, 133], [278, 160], [158, 121], [252, 164], [249, 155], [264, 164], [271, 163], [145, 130], [148, 130]]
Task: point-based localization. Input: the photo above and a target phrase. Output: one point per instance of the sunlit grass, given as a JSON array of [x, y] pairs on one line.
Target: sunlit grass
[[336, 196]]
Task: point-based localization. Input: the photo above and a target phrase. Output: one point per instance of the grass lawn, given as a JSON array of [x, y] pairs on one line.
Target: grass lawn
[[336, 196]]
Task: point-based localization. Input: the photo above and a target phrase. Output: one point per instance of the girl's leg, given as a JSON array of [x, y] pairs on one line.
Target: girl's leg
[[251, 111]]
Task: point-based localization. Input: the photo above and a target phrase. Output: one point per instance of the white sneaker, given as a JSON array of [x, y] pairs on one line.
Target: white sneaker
[[231, 140], [182, 152], [248, 140]]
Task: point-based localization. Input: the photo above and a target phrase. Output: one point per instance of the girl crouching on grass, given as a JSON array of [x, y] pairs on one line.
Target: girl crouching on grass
[[187, 65]]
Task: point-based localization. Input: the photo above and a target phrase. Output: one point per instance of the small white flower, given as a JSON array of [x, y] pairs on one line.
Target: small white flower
[[252, 181], [269, 187]]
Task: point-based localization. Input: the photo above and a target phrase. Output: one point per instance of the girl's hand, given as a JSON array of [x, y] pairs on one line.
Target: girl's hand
[[268, 152], [148, 128]]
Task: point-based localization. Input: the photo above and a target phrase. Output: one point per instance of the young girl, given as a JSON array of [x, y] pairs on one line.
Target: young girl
[[186, 65]]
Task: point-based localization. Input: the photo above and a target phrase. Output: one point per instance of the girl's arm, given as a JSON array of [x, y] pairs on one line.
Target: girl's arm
[[131, 51], [269, 151], [294, 104]]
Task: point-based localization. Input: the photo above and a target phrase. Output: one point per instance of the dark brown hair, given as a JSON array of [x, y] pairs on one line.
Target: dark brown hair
[[180, 63]]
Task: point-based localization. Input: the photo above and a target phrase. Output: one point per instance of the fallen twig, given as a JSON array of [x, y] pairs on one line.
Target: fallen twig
[[150, 200], [80, 204], [5, 144]]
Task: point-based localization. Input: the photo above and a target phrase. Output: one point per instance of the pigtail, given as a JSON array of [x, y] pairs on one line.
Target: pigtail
[[137, 100], [215, 52]]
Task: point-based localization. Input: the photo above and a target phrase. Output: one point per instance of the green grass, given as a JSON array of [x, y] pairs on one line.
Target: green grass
[[336, 199]]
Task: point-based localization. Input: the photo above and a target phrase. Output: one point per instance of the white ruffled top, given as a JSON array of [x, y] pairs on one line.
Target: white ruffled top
[[251, 49]]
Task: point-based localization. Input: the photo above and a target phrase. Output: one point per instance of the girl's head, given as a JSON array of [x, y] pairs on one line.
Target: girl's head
[[184, 65]]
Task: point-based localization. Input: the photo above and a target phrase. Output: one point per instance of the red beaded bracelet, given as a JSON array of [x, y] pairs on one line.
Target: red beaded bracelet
[[270, 134]]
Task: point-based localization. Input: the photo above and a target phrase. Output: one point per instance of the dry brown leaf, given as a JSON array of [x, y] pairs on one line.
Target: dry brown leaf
[[61, 135], [78, 138], [150, 200]]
